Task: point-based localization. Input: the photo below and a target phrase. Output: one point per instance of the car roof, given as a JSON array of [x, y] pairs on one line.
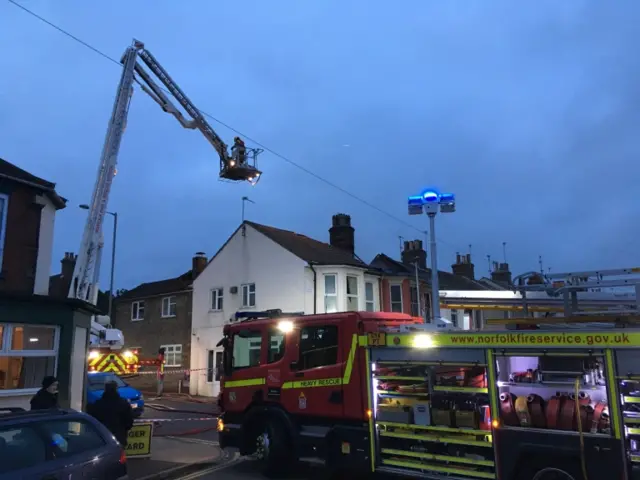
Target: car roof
[[11, 414]]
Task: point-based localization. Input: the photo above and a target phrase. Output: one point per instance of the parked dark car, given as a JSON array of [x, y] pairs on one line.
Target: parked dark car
[[57, 445]]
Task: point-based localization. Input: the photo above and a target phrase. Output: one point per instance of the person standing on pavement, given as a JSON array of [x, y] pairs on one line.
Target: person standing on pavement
[[114, 412], [47, 396]]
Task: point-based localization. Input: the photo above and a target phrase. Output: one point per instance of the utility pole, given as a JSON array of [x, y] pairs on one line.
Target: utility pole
[[504, 252], [244, 200], [418, 292], [489, 262], [541, 266]]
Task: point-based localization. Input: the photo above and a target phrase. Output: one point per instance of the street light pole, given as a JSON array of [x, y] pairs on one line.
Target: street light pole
[[431, 202], [113, 256], [435, 285], [113, 262]]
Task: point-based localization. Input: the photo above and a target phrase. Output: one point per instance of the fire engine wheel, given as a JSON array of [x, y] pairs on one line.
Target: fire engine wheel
[[558, 470], [552, 473], [273, 450]]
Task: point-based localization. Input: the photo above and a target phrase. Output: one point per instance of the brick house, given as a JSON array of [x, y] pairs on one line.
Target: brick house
[[158, 315], [54, 331], [28, 205], [398, 284]]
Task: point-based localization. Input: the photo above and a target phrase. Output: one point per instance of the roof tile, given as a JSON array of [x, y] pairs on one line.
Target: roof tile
[[308, 249]]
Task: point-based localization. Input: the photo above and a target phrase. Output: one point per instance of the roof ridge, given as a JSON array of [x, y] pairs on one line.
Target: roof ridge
[[254, 224]]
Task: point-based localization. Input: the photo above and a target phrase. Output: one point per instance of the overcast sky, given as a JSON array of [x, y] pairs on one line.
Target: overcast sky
[[527, 111]]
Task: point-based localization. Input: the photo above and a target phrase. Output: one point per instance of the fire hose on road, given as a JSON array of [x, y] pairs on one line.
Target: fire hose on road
[[158, 422]]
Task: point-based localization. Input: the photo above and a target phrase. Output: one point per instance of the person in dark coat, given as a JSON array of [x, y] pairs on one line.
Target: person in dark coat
[[114, 412], [47, 396]]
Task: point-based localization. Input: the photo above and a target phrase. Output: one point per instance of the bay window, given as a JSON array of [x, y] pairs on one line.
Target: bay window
[[28, 353]]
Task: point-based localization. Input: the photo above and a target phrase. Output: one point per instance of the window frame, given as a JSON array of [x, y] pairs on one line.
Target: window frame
[[369, 302], [453, 316], [247, 287], [138, 303], [254, 335], [6, 338], [216, 297], [351, 296], [326, 326], [274, 332], [168, 314], [35, 433], [173, 345], [3, 225], [391, 302], [331, 295], [58, 452]]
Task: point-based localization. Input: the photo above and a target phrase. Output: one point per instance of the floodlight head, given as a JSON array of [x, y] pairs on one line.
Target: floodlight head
[[447, 198], [415, 205]]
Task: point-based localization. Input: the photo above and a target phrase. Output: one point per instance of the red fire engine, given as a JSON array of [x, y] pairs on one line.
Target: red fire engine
[[381, 392]]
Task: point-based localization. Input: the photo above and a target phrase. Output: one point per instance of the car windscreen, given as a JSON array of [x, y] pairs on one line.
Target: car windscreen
[[97, 382]]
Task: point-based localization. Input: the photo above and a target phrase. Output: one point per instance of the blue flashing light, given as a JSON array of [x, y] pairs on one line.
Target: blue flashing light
[[415, 200], [430, 197], [447, 198]]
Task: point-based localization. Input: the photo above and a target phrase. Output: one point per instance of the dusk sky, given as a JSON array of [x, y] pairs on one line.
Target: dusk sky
[[527, 111]]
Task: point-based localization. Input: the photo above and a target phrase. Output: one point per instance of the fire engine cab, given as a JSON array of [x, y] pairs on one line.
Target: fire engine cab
[[382, 392]]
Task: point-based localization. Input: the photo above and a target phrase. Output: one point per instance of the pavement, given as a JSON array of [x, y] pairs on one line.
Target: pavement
[[180, 442], [196, 454], [242, 469]]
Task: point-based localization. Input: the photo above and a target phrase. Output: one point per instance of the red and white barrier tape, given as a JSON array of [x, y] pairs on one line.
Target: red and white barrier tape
[[157, 420], [171, 372]]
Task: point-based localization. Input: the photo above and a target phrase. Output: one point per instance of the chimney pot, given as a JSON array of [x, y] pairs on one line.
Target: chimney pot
[[198, 264], [463, 266], [501, 274], [342, 234], [413, 253]]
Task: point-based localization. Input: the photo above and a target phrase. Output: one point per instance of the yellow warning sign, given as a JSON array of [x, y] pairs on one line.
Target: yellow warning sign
[[139, 441]]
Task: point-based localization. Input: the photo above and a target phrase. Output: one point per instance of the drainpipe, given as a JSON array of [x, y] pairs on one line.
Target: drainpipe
[[315, 288]]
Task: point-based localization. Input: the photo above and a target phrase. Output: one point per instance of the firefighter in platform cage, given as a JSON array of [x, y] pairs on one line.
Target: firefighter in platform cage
[[239, 151]]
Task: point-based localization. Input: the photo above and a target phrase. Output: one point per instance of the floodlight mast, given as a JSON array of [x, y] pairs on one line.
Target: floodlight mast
[[431, 201]]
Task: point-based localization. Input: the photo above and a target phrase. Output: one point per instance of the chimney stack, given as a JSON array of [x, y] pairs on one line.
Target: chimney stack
[[68, 264], [463, 266], [413, 252], [342, 234], [501, 274], [198, 264]]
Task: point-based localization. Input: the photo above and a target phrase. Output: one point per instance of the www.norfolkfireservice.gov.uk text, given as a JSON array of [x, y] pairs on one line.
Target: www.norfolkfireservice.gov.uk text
[[572, 339]]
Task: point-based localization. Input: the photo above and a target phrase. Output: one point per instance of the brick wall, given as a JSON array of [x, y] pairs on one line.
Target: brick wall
[[154, 331], [20, 253], [406, 294]]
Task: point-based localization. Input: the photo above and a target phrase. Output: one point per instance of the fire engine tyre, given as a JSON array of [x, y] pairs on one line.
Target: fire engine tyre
[[273, 450], [542, 469]]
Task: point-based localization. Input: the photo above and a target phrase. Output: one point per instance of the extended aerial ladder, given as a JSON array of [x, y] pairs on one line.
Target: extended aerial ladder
[[240, 165]]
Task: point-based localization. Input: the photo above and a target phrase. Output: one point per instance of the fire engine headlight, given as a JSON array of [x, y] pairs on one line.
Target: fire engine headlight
[[423, 341], [93, 354], [285, 326], [127, 354]]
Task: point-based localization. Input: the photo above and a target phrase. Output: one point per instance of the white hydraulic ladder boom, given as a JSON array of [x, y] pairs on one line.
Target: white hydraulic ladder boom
[[84, 284]]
